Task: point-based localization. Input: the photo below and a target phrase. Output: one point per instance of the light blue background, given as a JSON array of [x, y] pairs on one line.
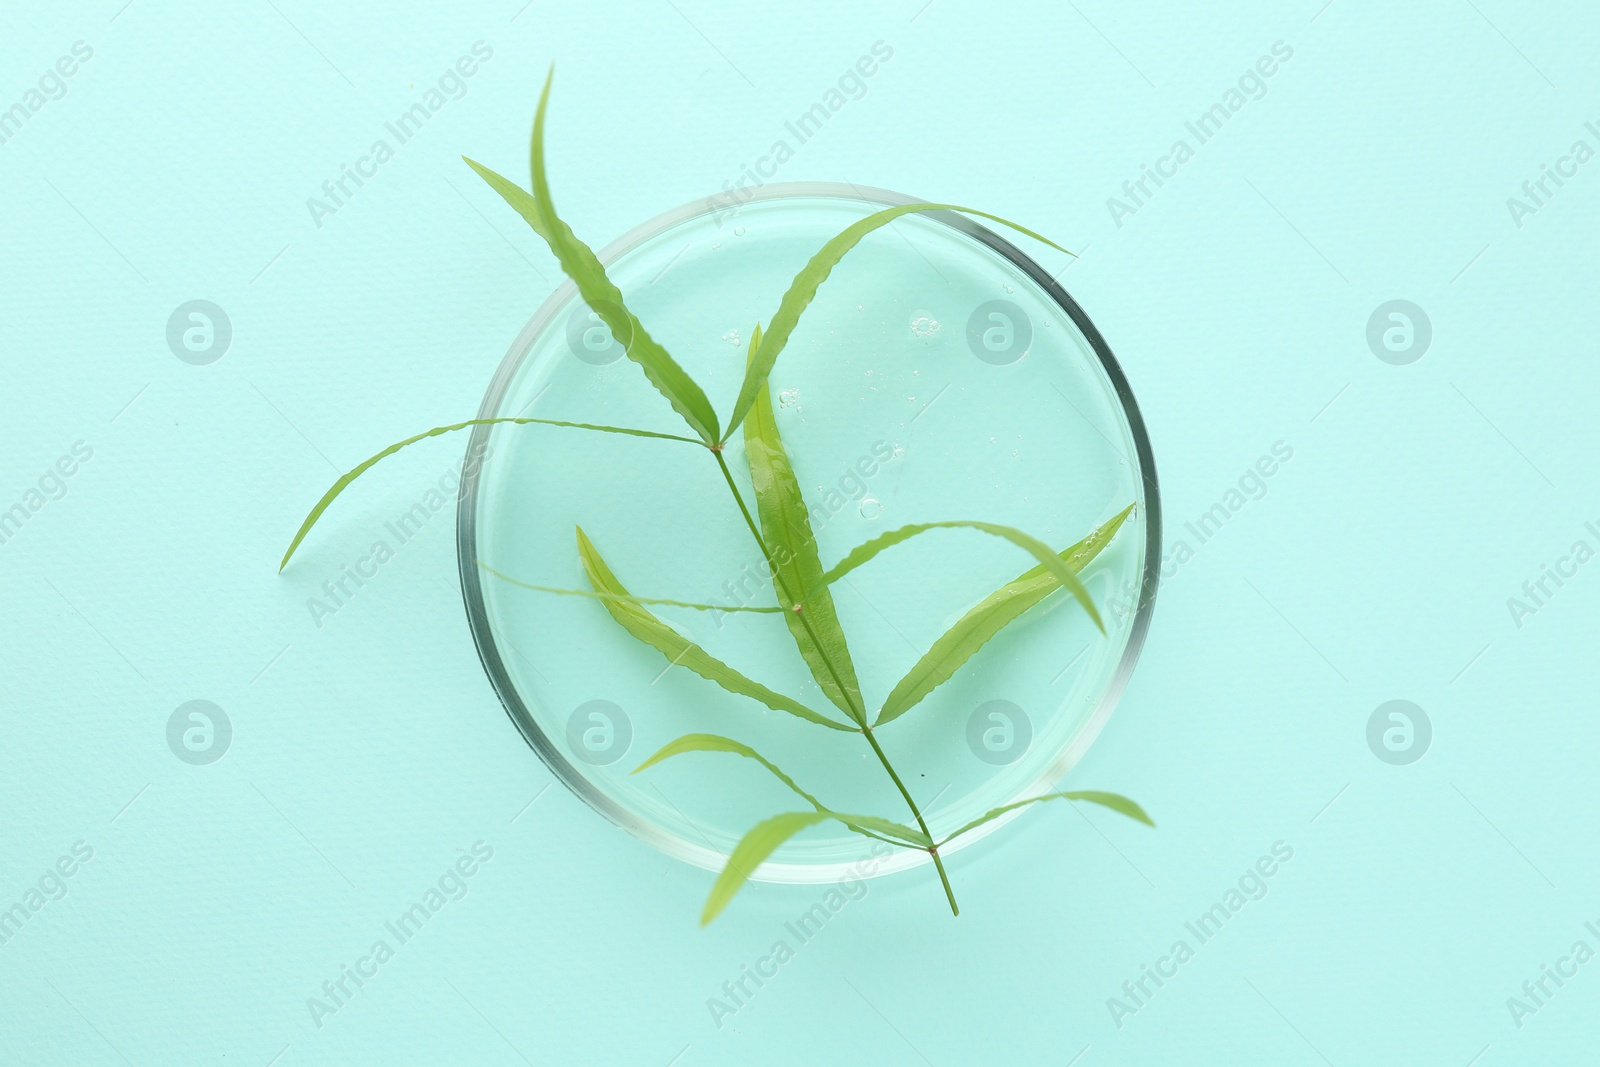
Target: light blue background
[[368, 752]]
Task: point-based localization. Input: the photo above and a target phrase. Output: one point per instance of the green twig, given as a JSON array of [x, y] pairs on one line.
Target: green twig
[[858, 709]]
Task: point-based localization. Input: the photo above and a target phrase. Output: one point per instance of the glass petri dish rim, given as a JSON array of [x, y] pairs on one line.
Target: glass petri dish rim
[[546, 747]]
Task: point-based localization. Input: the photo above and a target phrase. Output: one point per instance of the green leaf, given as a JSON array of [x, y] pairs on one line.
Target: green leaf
[[786, 531], [998, 610], [580, 264], [360, 469], [748, 854], [899, 833], [629, 599], [1115, 801], [760, 842], [718, 743], [1041, 551], [677, 648], [806, 283], [750, 354], [871, 825]]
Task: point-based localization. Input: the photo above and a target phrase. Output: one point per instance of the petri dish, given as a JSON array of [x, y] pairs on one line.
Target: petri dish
[[940, 374]]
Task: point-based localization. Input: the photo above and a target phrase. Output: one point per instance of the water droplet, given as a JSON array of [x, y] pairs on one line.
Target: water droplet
[[870, 507], [788, 397], [732, 337], [925, 327], [991, 440], [738, 231], [1008, 288], [899, 450]]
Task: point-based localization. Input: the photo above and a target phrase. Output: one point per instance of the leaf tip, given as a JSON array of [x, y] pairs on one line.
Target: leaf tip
[[714, 905], [544, 94], [652, 761], [1133, 810]]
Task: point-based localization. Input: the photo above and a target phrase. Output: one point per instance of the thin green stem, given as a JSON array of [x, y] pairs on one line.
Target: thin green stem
[[725, 608], [933, 851], [858, 711]]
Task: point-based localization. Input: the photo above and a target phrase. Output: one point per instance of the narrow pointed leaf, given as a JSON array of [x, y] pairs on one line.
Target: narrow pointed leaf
[[786, 529], [580, 264], [997, 611], [361, 468], [870, 825], [904, 835], [750, 852], [1041, 551], [725, 608], [678, 649], [718, 743], [1115, 801], [806, 283], [750, 355]]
